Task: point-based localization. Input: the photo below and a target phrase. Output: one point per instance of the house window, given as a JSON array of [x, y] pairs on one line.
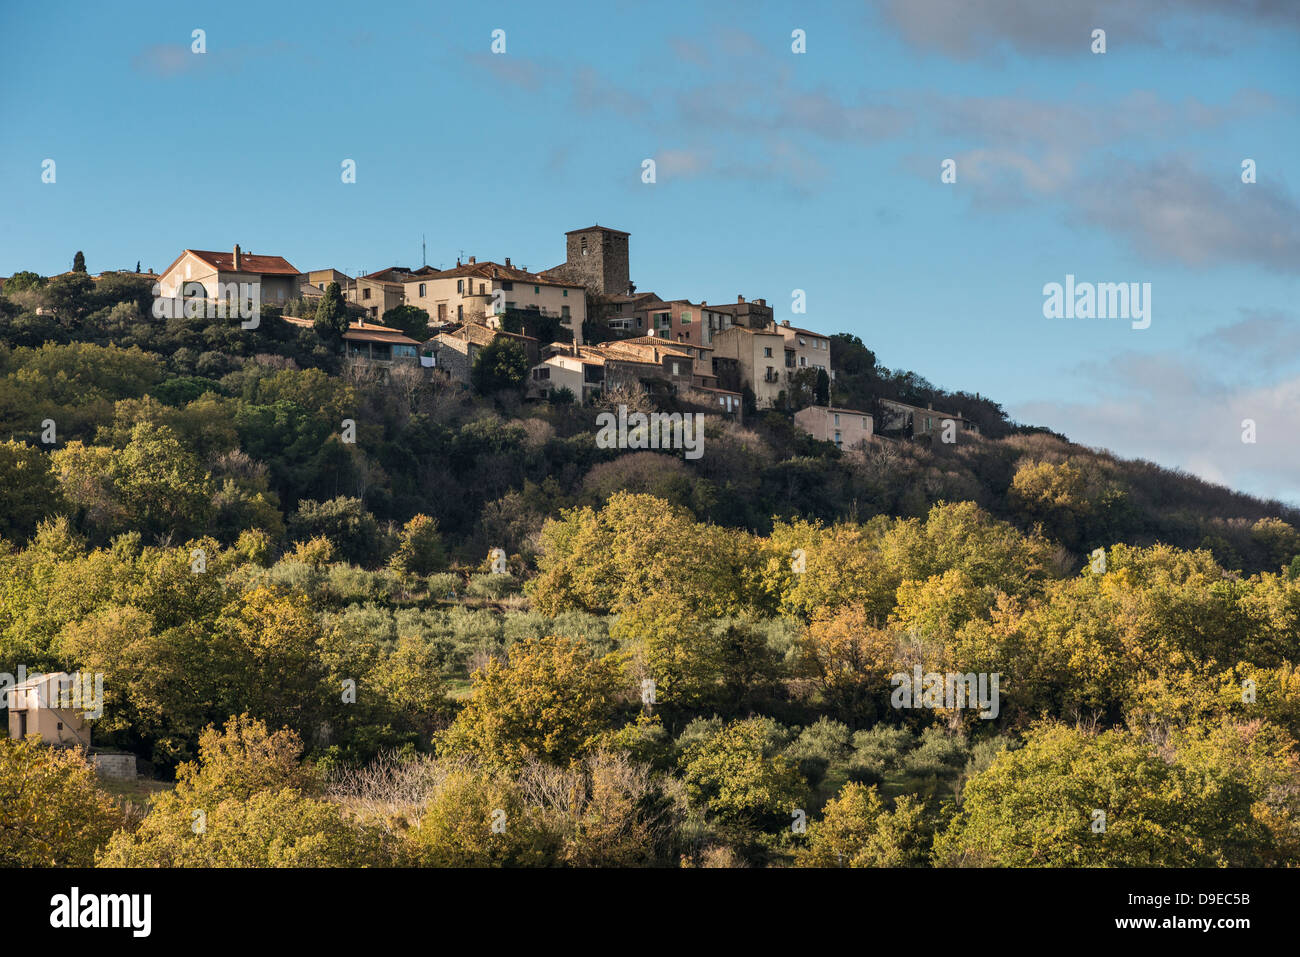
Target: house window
[[677, 369], [838, 440], [686, 318], [422, 290], [638, 322], [482, 288], [460, 285], [566, 293], [365, 293], [864, 423], [803, 362], [507, 286], [837, 418], [537, 290], [564, 312], [460, 313], [801, 341], [442, 312], [767, 354], [584, 245]]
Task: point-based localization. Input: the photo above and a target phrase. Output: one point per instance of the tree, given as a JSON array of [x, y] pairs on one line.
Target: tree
[[419, 548], [501, 365], [22, 280], [857, 830], [1070, 799], [345, 522], [246, 803], [551, 700], [478, 818], [51, 812], [822, 390], [28, 489], [331, 315], [412, 320], [849, 659], [737, 775], [79, 262]]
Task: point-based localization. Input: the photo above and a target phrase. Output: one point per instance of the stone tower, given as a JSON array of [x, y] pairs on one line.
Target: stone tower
[[597, 257]]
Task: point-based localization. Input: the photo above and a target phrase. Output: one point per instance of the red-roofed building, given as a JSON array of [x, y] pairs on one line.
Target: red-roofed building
[[276, 275]]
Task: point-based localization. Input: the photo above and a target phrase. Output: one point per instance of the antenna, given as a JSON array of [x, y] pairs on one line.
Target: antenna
[[424, 258]]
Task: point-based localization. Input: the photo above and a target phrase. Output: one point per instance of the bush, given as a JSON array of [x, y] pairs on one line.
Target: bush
[[492, 586]]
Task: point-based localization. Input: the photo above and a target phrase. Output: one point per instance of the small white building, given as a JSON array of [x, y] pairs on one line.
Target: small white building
[[37, 709]]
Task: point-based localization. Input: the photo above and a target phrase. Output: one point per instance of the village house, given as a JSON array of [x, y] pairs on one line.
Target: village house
[[34, 711], [758, 358], [371, 342], [909, 421], [278, 279], [474, 291], [626, 313], [849, 429], [675, 361], [804, 349], [454, 351], [581, 371], [754, 314], [680, 320], [377, 292], [319, 279]]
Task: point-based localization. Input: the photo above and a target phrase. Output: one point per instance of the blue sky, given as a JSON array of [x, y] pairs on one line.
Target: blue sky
[[776, 171]]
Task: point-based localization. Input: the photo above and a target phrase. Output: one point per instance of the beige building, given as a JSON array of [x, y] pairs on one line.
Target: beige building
[[581, 372], [474, 291], [278, 279], [805, 349], [35, 710], [321, 278], [759, 357], [849, 429], [377, 292]]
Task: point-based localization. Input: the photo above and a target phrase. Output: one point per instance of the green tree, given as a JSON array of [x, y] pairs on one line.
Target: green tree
[[551, 700], [500, 366], [858, 830], [332, 318], [29, 491], [412, 320], [739, 777], [51, 812], [79, 262], [1043, 805]]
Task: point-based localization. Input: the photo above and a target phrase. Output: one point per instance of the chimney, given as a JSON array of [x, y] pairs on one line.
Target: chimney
[[740, 299], [472, 260], [236, 257], [785, 322], [704, 302], [507, 262]]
